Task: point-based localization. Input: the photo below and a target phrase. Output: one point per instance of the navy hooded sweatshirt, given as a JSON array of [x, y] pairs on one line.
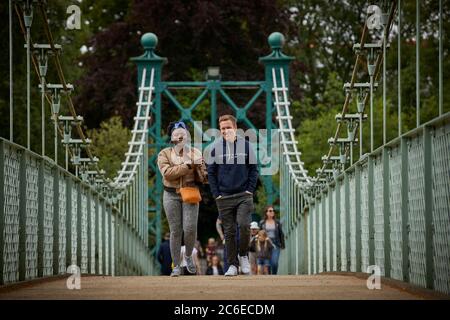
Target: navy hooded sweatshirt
[[232, 168]]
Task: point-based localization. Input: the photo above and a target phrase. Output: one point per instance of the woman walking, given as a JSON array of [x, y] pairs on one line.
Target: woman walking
[[182, 168], [275, 232]]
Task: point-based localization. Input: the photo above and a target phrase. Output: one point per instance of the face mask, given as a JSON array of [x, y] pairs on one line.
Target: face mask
[[179, 136]]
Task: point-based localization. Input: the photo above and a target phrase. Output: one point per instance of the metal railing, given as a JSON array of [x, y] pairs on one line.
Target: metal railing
[[50, 219], [390, 208]]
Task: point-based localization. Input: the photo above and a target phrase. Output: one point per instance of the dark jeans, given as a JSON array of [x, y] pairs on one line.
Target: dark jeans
[[236, 209], [274, 260]]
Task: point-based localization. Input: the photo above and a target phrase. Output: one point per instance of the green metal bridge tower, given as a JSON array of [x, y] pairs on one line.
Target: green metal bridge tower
[[210, 89]]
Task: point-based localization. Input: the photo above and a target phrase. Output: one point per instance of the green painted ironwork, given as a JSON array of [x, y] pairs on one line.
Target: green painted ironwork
[[405, 230], [209, 90], [149, 60], [384, 209], [41, 236]]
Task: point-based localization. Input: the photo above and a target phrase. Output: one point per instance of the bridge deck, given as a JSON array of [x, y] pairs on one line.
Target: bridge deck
[[328, 286]]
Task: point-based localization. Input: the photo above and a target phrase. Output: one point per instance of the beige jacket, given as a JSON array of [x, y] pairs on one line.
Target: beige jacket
[[175, 169]]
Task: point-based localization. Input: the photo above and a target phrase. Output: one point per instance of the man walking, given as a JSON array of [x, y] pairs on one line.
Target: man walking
[[164, 257], [232, 175]]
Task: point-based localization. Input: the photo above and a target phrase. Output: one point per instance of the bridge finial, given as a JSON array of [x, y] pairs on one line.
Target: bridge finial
[[149, 41], [276, 40]]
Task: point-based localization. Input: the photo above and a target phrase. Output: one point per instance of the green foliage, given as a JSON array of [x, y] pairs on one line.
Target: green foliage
[[313, 134], [109, 143], [312, 138], [261, 200], [102, 13]]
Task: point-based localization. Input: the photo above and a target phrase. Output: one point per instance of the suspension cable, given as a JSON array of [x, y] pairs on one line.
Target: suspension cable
[[35, 63], [353, 79]]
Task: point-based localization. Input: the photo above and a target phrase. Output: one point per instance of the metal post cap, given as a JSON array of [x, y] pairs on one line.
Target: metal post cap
[[149, 41], [276, 40]]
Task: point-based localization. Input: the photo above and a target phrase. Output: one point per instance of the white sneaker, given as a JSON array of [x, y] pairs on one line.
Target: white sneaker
[[176, 272], [232, 271], [190, 265], [245, 264]]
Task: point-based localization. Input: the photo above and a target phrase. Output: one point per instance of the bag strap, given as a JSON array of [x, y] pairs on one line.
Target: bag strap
[[193, 166], [181, 178]]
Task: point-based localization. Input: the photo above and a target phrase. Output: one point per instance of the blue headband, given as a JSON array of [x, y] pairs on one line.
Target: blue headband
[[179, 124], [176, 125]]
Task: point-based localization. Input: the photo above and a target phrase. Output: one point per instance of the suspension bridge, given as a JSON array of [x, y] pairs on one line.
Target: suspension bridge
[[388, 211]]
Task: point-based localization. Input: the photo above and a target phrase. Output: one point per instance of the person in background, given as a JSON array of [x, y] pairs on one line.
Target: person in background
[[201, 257], [219, 229], [198, 246], [254, 228], [275, 232], [164, 257], [210, 250], [215, 269], [263, 248], [220, 248]]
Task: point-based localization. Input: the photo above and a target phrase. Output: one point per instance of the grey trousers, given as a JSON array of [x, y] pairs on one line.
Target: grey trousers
[[181, 217], [235, 211]]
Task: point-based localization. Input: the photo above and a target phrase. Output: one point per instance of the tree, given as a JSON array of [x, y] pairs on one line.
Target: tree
[[313, 134], [261, 201], [192, 35], [70, 40], [110, 142], [321, 40]]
